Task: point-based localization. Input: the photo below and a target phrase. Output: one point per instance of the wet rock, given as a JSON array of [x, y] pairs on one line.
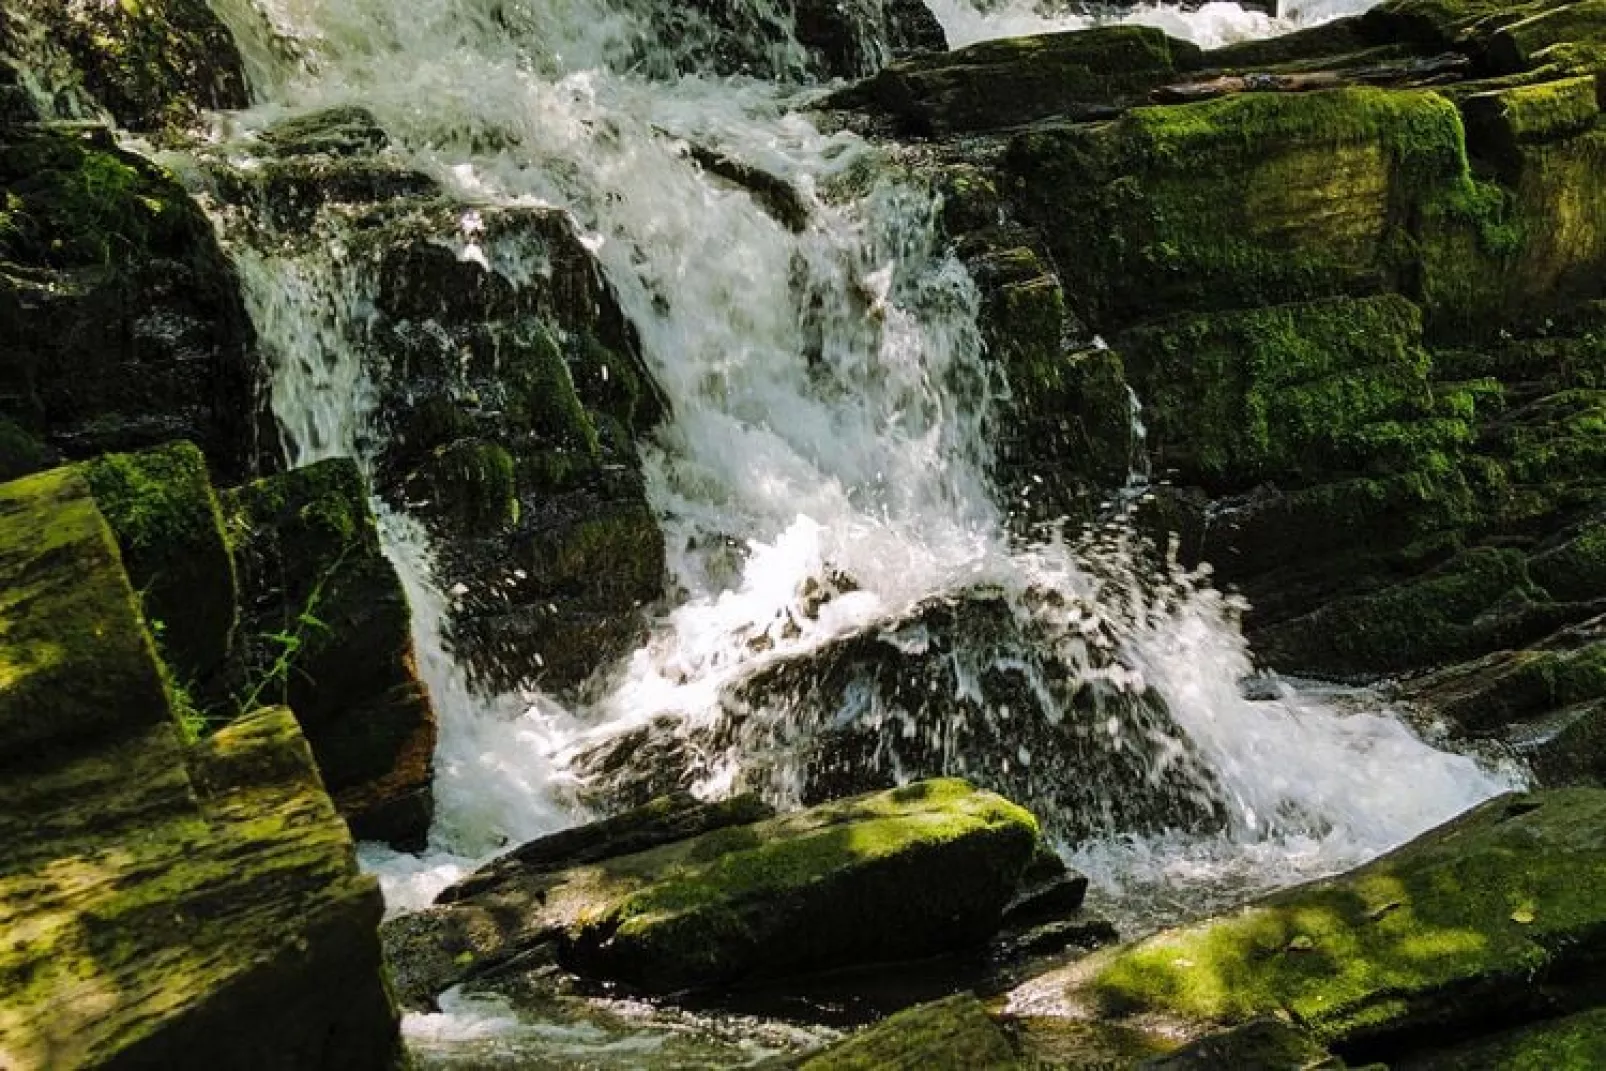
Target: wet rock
[[1033, 704], [123, 320], [902, 874], [1261, 1045], [153, 65], [819, 39], [1416, 948], [1086, 74], [955, 1034], [325, 629], [513, 393], [164, 906]]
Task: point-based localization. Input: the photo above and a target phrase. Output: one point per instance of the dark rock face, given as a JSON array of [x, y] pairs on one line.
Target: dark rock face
[[325, 629], [510, 396], [122, 319], [916, 871], [965, 687], [152, 65], [818, 39], [165, 905]]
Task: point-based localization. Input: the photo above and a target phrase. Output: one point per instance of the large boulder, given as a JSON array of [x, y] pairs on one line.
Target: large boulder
[[123, 320], [1025, 697], [1492, 919], [325, 629], [924, 869], [165, 906]]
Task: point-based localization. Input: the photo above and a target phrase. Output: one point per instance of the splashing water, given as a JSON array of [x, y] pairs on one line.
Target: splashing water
[[1209, 25], [831, 403]]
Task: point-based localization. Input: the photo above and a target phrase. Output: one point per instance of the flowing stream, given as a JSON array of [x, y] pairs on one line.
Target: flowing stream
[[871, 460]]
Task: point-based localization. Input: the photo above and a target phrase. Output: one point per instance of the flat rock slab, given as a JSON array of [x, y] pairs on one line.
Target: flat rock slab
[[1496, 917], [895, 875]]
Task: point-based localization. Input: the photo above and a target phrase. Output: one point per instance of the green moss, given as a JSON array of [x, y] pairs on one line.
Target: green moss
[[472, 482], [1499, 122], [949, 1035], [1437, 933], [161, 505], [75, 659], [1577, 1041], [1296, 391], [1253, 199], [813, 889], [1480, 601]]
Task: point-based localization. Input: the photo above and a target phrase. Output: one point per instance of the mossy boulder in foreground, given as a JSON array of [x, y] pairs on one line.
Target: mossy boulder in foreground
[[1495, 918], [163, 905], [897, 875]]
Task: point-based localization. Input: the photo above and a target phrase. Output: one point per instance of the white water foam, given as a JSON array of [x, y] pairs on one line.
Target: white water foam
[[831, 403], [1210, 25]]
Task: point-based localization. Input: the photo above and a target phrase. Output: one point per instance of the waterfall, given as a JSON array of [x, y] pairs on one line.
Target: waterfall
[[831, 405]]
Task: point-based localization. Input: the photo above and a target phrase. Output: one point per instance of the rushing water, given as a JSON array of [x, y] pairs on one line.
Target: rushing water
[[871, 461]]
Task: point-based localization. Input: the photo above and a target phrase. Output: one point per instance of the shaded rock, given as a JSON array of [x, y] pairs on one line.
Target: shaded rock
[[161, 506], [1260, 1045], [818, 39], [1084, 74], [955, 1034], [164, 906], [1575, 1041], [325, 628], [123, 320], [663, 821], [1489, 920], [153, 65], [902, 874], [79, 667]]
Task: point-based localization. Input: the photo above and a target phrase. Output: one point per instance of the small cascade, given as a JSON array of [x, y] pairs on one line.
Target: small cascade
[[822, 478]]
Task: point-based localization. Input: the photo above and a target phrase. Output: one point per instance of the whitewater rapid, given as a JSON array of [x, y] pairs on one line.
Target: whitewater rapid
[[871, 459]]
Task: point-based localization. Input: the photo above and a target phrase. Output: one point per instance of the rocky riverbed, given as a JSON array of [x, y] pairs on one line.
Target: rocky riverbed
[[727, 500]]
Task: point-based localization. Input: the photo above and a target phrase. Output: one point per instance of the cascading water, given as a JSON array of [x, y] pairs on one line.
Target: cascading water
[[830, 402]]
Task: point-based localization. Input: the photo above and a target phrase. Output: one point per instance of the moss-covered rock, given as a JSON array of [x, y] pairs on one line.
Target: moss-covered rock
[[1255, 199], [76, 664], [1293, 391], [161, 506], [955, 1034], [153, 64], [1008, 82], [912, 872], [1491, 918], [186, 909], [325, 628], [123, 320]]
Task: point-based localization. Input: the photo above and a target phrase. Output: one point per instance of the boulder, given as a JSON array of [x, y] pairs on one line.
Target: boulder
[[165, 906], [123, 320], [816, 39], [153, 65], [913, 872], [1019, 697], [1573, 1041], [1490, 920], [325, 629]]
